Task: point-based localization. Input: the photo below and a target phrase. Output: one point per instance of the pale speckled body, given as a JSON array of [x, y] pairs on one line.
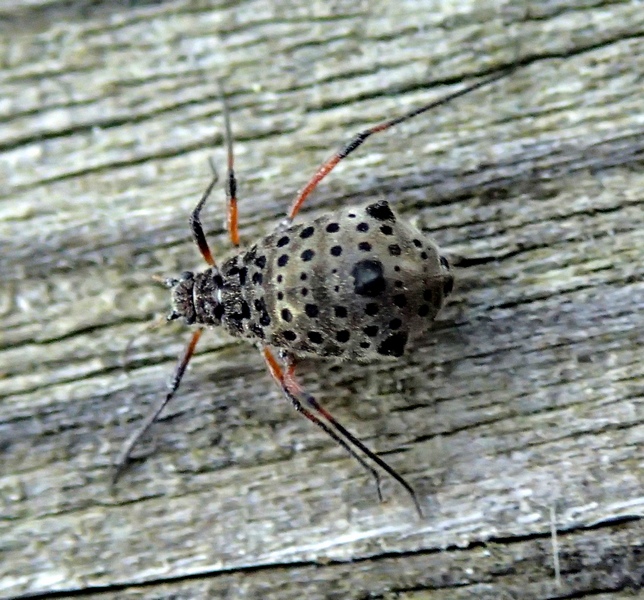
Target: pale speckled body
[[353, 284]]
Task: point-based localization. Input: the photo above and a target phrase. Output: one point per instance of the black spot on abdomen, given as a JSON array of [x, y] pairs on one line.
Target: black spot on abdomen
[[394, 345], [368, 278]]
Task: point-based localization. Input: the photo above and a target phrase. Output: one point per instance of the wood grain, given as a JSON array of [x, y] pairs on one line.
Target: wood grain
[[525, 401]]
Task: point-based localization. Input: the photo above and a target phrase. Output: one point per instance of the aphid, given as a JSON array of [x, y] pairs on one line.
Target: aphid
[[355, 284]]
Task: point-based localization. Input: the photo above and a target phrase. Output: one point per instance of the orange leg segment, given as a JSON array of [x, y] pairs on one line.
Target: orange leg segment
[[196, 228], [294, 392], [154, 415], [357, 141], [231, 180]]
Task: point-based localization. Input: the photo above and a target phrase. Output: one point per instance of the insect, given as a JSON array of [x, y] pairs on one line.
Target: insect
[[355, 284]]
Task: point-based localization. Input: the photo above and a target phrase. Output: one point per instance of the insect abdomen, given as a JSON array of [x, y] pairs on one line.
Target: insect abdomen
[[357, 283]]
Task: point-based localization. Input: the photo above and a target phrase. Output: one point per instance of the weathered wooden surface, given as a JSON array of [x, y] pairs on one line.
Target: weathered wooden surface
[[527, 397]]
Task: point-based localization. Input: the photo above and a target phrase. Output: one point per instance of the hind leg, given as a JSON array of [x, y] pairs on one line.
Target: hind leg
[[311, 409]]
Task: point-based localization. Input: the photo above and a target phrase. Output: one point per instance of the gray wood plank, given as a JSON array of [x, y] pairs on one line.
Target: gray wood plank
[[526, 397]]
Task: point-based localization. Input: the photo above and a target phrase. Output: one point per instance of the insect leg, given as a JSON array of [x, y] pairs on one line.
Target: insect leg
[[278, 374], [357, 141], [291, 384], [152, 417], [231, 196], [231, 180], [195, 224]]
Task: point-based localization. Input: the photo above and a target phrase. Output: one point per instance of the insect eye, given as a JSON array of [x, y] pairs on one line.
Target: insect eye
[[186, 275]]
